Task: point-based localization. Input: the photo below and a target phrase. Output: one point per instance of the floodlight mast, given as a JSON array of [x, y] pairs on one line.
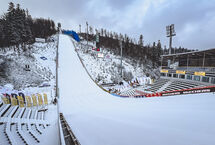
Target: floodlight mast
[[87, 33], [80, 29], [170, 32]]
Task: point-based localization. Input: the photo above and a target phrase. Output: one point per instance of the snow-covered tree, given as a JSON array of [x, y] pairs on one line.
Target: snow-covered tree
[[91, 30], [17, 27], [141, 40]]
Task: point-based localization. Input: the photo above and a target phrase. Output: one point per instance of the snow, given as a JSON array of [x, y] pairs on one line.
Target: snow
[[40, 70], [98, 118], [108, 68]]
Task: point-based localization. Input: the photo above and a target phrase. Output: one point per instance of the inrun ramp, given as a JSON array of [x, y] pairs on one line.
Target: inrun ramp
[[98, 118]]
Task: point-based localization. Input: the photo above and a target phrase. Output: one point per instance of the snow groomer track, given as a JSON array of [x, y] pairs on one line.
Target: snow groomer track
[[99, 118]]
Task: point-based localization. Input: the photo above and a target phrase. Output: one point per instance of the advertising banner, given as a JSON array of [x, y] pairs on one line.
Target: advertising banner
[[34, 98], [164, 71], [199, 73]]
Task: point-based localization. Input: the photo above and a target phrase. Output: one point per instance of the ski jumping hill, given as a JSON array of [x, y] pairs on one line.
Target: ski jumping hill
[[99, 118]]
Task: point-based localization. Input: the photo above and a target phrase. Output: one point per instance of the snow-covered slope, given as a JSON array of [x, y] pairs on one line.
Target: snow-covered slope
[[98, 118], [107, 69], [40, 70]]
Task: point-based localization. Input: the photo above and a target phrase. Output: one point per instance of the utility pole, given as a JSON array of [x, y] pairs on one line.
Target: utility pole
[[57, 65], [121, 58], [80, 34], [57, 96], [97, 39], [80, 29], [203, 65], [87, 32], [170, 32]]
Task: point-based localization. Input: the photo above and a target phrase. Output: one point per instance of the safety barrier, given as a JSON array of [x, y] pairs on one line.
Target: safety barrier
[[69, 137], [206, 89]]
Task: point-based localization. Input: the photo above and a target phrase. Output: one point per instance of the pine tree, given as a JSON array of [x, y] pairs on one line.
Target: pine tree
[[28, 25], [153, 54], [1, 33], [19, 19], [12, 34], [102, 32], [111, 35], [17, 27], [116, 36], [141, 40], [158, 52], [105, 33], [91, 30]]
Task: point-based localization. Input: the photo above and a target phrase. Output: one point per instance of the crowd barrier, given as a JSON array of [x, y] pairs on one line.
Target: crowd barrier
[[206, 89]]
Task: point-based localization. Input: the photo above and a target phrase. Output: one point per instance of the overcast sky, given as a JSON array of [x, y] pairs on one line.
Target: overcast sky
[[194, 19]]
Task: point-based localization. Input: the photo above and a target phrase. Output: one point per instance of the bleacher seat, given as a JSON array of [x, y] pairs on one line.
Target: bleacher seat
[[21, 112], [13, 111], [3, 138], [162, 85], [16, 130], [157, 85], [16, 115], [179, 85], [130, 92], [4, 109], [35, 130], [7, 113], [15, 134]]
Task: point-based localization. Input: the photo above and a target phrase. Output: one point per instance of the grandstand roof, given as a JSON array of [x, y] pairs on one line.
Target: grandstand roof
[[210, 52]]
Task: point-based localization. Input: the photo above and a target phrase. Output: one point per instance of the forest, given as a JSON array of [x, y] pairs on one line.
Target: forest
[[17, 27], [132, 48]]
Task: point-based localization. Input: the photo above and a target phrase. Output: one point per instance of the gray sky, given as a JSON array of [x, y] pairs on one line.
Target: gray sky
[[194, 19]]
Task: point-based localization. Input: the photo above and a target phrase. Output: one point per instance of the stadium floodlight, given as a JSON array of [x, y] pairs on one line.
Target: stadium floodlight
[[167, 31], [172, 29], [170, 32]]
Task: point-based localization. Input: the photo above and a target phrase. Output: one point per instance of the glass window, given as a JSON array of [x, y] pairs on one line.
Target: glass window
[[196, 78], [169, 75], [189, 77], [175, 75], [205, 79], [163, 74], [182, 76], [213, 80]]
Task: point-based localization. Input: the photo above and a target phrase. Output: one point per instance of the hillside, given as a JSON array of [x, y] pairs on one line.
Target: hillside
[[107, 69], [30, 68]]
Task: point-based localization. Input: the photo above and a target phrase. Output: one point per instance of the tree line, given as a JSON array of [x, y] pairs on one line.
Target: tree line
[[18, 27], [131, 47]]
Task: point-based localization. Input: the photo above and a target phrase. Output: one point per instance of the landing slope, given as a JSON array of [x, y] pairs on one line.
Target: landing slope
[[98, 118]]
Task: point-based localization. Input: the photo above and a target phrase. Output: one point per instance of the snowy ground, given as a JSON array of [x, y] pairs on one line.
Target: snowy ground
[[40, 78], [98, 118], [41, 71]]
